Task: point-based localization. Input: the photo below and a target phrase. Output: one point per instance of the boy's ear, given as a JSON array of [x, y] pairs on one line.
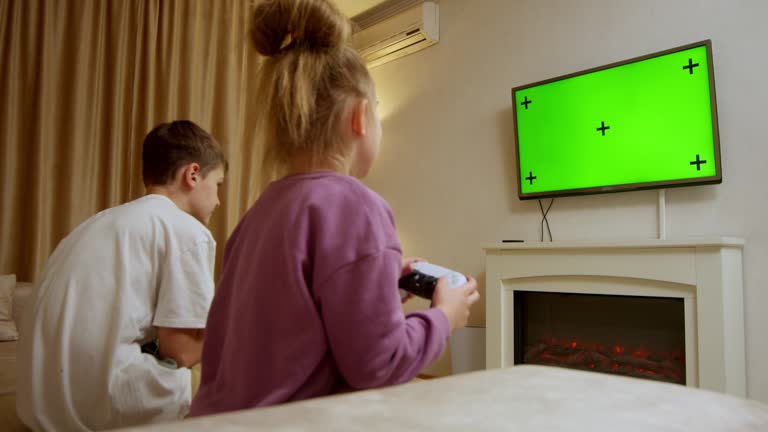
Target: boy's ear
[[360, 117], [190, 174]]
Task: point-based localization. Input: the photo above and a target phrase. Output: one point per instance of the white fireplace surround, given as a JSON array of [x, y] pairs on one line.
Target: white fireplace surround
[[706, 273]]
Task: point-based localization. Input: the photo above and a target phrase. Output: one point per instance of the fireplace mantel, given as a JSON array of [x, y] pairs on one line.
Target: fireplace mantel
[[705, 272]]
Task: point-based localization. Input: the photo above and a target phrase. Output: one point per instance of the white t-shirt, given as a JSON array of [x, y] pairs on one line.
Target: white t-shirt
[[104, 291]]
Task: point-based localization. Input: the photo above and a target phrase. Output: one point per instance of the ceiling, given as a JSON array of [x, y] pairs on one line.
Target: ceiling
[[351, 8]]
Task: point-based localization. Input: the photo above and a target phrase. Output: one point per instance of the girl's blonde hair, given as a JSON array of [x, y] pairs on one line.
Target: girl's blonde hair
[[308, 75]]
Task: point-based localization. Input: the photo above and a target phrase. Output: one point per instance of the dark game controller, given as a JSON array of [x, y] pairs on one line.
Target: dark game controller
[[418, 283]]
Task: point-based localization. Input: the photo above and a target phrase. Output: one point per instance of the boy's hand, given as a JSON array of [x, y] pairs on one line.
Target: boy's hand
[[184, 346]]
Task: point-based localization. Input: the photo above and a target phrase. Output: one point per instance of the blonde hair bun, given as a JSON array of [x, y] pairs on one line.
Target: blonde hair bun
[[280, 25]]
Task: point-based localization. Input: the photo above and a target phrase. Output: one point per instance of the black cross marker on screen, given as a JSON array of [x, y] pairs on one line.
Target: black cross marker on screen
[[530, 177], [690, 66], [526, 102], [603, 127], [698, 162]]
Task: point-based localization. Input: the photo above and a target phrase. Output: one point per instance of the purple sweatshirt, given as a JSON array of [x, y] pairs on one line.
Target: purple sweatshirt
[[308, 303]]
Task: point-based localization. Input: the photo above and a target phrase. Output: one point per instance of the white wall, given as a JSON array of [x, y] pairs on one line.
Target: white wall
[[447, 160]]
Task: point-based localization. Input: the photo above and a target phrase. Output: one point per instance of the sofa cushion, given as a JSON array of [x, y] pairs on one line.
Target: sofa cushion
[[7, 287], [8, 330]]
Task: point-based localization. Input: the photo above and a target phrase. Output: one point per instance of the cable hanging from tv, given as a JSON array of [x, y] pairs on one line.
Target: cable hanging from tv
[[544, 219]]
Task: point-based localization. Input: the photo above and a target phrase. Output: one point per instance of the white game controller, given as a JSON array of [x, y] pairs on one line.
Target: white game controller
[[423, 279], [454, 278]]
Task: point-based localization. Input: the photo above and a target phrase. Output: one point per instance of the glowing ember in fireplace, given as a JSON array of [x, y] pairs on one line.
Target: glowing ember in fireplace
[[617, 359]]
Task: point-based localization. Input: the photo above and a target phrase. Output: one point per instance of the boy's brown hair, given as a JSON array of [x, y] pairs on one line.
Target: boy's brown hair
[[169, 146]]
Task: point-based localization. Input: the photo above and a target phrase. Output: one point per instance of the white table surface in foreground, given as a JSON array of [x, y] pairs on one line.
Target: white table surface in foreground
[[521, 398]]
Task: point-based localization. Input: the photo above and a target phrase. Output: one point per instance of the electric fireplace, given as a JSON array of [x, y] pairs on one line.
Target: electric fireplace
[[666, 310], [642, 337]]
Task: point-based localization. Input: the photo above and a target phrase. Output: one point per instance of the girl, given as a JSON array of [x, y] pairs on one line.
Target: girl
[[308, 303]]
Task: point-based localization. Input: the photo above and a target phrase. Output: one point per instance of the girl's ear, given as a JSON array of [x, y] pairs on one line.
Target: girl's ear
[[360, 117]]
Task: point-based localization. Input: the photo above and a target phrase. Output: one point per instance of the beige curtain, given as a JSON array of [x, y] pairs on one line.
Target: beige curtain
[[82, 82]]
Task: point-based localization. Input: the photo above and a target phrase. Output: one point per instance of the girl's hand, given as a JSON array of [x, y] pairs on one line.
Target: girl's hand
[[456, 302], [407, 297], [406, 269], [407, 265]]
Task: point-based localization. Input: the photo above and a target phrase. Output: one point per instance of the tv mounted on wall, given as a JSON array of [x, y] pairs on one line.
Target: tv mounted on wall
[[644, 123]]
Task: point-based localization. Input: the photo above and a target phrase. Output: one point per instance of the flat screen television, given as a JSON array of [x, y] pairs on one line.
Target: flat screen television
[[643, 123]]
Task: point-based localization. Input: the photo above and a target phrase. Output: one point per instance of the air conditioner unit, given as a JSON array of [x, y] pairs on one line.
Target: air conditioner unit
[[395, 29]]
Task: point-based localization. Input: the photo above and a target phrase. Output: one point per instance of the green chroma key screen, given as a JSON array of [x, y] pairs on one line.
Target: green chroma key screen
[[648, 122]]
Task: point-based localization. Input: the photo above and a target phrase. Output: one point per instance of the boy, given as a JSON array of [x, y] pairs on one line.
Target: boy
[[128, 276]]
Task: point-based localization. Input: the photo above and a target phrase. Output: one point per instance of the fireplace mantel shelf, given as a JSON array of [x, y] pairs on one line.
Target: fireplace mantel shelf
[[629, 243]]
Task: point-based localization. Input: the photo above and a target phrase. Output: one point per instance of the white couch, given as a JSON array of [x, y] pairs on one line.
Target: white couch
[[8, 418]]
